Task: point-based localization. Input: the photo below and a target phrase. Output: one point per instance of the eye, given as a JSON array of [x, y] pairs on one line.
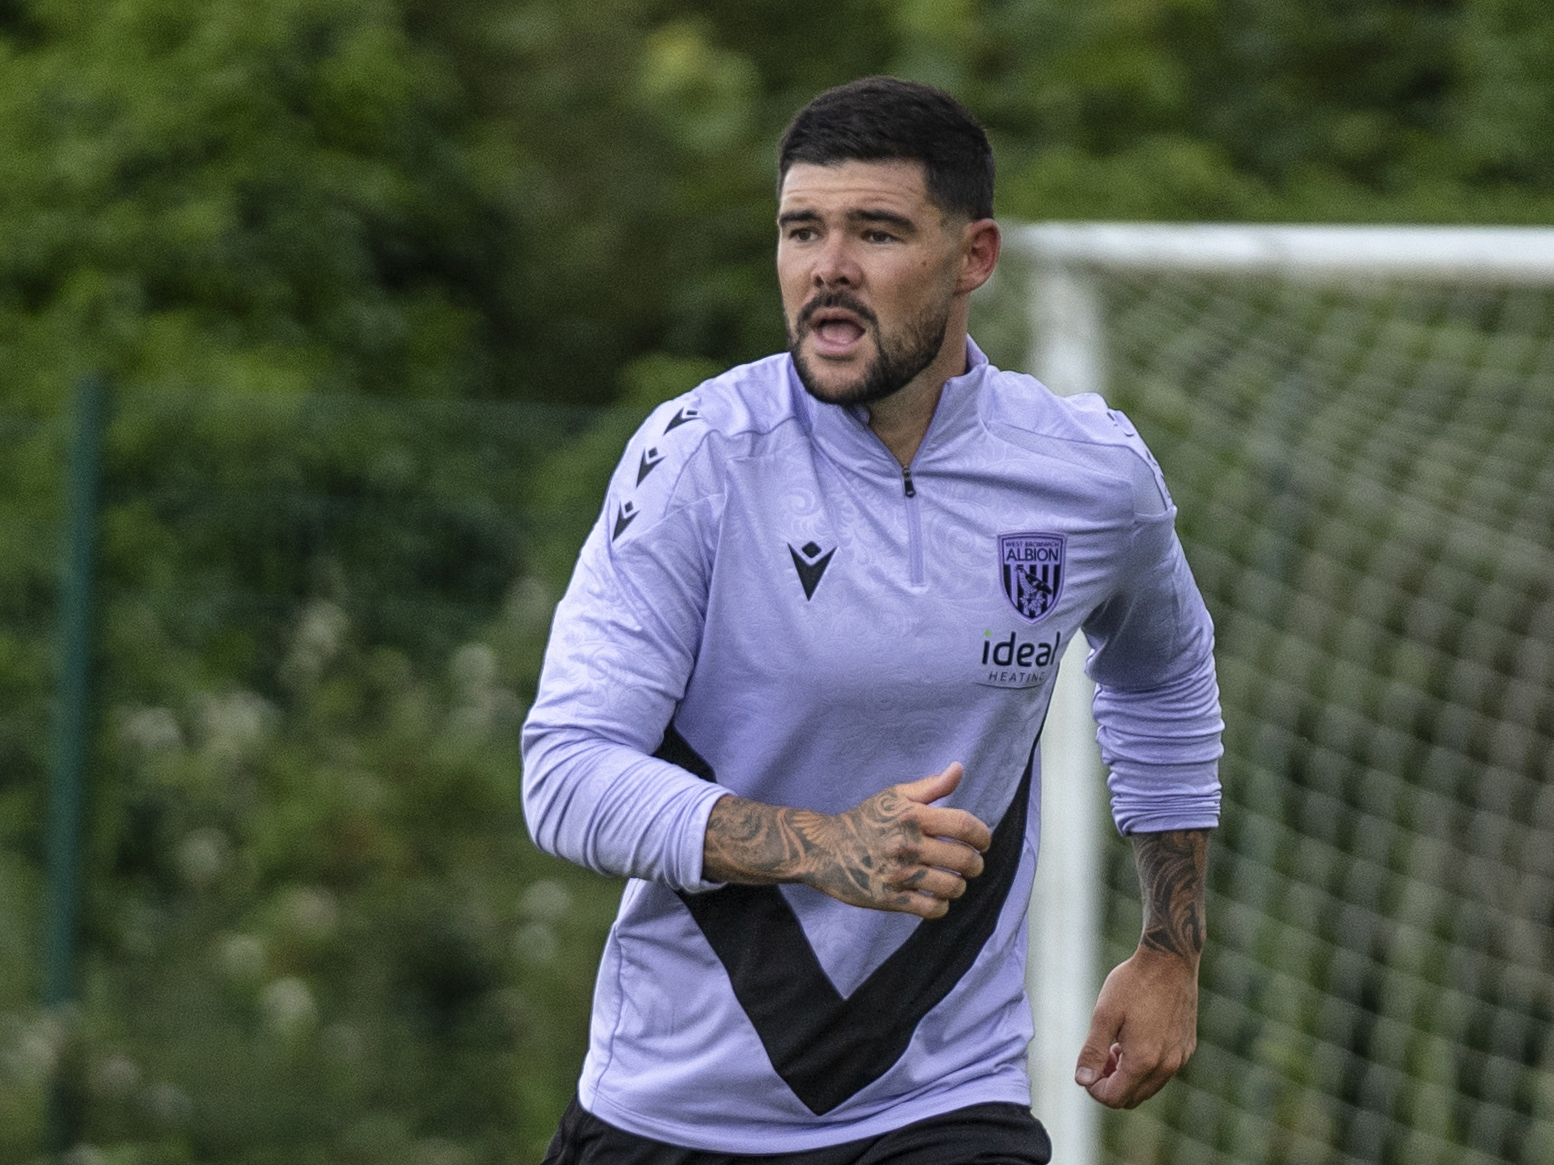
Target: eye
[[875, 235], [801, 234]]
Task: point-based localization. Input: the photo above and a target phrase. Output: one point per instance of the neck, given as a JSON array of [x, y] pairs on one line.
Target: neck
[[901, 420]]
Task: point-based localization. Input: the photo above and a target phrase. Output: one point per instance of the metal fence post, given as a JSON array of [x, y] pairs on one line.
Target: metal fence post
[[67, 776]]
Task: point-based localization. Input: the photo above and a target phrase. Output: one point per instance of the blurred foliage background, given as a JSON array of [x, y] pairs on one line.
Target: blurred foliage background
[[381, 286], [503, 200]]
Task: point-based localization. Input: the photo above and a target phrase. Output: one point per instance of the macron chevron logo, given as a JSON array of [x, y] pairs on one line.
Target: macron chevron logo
[[684, 416], [627, 515], [811, 562], [650, 460]]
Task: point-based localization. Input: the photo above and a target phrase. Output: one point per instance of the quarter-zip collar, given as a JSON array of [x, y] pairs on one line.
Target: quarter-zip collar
[[842, 431]]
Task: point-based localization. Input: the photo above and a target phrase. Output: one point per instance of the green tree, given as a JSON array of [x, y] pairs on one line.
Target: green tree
[[211, 193]]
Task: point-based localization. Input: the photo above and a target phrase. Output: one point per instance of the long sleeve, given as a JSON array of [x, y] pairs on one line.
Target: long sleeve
[[616, 667], [1156, 699]]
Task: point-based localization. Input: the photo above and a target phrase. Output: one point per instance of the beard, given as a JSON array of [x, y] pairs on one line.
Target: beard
[[897, 359]]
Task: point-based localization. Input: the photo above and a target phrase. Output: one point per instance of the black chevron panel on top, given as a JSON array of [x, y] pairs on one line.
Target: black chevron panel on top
[[824, 1046]]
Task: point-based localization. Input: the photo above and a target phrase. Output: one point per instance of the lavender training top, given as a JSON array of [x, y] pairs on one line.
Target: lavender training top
[[770, 606]]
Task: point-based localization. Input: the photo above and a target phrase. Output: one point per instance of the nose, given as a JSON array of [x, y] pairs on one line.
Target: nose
[[835, 265]]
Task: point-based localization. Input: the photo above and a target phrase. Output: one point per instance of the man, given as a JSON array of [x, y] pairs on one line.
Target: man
[[816, 578]]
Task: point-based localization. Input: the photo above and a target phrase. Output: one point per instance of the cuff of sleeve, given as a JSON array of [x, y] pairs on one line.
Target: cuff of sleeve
[[693, 847], [1178, 797]]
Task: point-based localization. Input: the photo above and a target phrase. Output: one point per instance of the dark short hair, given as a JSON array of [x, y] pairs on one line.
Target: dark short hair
[[882, 118]]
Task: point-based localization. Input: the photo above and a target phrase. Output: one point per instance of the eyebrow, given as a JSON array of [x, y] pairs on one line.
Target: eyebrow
[[888, 218]]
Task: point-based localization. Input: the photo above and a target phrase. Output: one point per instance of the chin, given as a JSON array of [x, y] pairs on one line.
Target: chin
[[863, 388], [858, 384], [856, 390], [837, 391]]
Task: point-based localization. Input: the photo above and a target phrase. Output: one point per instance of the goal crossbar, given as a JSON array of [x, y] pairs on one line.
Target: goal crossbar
[[1498, 255]]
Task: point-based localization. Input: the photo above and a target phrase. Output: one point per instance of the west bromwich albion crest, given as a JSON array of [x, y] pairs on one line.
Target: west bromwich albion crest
[[1031, 569]]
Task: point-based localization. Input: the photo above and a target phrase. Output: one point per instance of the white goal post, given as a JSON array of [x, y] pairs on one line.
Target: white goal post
[[1067, 352]]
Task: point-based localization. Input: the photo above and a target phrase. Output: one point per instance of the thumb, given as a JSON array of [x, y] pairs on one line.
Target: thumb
[[930, 789], [1094, 1067], [1098, 1057]]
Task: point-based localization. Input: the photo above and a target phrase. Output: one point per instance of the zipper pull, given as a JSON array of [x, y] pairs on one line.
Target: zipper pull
[[906, 480]]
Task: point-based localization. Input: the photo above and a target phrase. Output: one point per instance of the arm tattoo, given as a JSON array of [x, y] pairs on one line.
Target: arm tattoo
[[757, 844], [1171, 876]]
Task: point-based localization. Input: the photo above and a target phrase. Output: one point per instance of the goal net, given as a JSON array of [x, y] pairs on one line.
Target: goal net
[[1357, 425]]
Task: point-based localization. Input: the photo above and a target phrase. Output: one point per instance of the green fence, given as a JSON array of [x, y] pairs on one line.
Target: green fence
[[310, 925]]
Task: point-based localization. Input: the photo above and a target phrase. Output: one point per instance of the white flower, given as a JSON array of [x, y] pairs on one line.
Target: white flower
[[320, 634], [117, 1076], [150, 730], [536, 944], [546, 901], [203, 856], [234, 723], [289, 1008], [241, 958], [34, 1050], [473, 668], [529, 604], [311, 913]]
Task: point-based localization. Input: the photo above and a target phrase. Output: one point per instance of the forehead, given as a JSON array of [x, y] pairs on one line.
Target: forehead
[[895, 184]]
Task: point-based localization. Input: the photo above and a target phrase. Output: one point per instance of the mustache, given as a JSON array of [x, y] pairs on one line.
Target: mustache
[[838, 298]]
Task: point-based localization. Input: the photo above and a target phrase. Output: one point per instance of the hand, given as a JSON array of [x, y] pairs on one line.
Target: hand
[[1144, 1029], [895, 851]]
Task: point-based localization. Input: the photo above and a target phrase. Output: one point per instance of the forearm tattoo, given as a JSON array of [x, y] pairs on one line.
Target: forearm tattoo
[[1171, 869], [755, 843]]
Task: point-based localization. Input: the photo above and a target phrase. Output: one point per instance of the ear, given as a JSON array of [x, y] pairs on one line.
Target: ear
[[980, 243]]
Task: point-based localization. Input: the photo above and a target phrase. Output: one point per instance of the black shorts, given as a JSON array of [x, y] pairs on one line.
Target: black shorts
[[983, 1134]]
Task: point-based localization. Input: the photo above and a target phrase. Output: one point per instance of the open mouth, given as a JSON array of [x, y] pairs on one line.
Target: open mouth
[[837, 328], [838, 332]]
